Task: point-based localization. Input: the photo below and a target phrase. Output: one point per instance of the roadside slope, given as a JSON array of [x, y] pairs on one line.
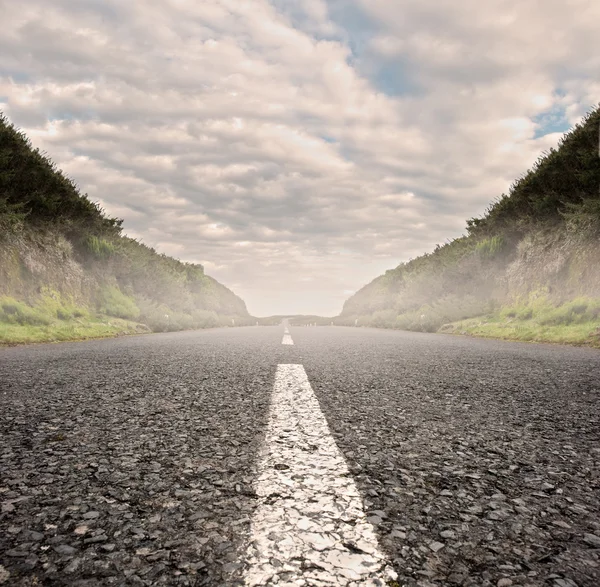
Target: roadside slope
[[529, 269], [68, 272]]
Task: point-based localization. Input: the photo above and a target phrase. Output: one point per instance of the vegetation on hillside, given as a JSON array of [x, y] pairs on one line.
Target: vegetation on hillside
[[541, 239], [55, 239]]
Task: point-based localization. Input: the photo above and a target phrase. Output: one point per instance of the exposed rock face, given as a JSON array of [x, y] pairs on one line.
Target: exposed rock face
[[30, 259]]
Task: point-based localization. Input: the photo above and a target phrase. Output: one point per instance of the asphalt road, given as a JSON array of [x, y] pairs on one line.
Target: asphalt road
[[135, 461]]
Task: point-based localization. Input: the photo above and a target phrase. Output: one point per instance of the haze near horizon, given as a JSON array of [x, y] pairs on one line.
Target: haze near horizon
[[297, 152]]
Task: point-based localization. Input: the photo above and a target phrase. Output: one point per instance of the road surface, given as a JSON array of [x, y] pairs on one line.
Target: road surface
[[321, 456]]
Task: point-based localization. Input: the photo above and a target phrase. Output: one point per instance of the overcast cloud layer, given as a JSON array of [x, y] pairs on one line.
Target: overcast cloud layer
[[297, 149]]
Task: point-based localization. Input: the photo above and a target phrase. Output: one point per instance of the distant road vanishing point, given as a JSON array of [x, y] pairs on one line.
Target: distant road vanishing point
[[299, 456]]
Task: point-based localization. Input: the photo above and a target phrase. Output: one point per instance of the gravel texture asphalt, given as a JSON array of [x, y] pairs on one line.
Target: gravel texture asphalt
[[133, 461]]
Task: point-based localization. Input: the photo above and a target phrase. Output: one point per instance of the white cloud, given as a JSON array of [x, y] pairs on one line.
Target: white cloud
[[258, 139]]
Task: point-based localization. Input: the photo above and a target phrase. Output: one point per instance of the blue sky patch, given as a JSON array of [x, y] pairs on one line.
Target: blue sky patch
[[358, 26], [328, 139], [393, 79], [551, 121]]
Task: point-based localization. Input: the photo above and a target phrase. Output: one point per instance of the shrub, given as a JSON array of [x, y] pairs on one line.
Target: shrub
[[490, 248], [578, 311], [11, 215], [115, 303], [15, 312], [56, 305], [583, 217], [525, 314], [63, 314], [99, 248]]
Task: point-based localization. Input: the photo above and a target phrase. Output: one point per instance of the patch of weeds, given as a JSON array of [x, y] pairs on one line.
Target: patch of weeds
[[99, 248], [539, 320], [63, 314], [491, 247], [59, 330], [56, 305], [114, 302], [15, 312], [525, 314]]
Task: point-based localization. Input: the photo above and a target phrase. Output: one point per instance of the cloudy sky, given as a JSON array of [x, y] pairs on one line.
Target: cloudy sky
[[297, 148]]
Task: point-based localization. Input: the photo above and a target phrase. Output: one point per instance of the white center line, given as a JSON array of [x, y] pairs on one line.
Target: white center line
[[287, 339], [309, 527]]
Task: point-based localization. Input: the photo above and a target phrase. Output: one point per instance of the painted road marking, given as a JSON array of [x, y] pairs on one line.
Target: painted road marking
[[287, 339], [309, 527]]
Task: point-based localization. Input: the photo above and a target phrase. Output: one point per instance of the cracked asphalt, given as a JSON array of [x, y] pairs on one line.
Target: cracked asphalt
[[133, 461]]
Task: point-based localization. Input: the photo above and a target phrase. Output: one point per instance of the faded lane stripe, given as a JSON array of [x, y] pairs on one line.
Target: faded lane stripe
[[309, 527], [287, 339]]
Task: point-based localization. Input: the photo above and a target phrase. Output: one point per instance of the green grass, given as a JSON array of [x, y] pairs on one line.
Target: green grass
[[54, 318], [99, 248], [13, 311], [49, 307], [11, 334], [538, 320], [115, 303]]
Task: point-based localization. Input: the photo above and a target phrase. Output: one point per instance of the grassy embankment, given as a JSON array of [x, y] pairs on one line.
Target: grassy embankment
[[67, 272], [538, 320], [529, 269], [51, 319]]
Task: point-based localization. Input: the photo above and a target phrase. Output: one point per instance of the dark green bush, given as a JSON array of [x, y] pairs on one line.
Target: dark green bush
[[33, 184], [559, 179]]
